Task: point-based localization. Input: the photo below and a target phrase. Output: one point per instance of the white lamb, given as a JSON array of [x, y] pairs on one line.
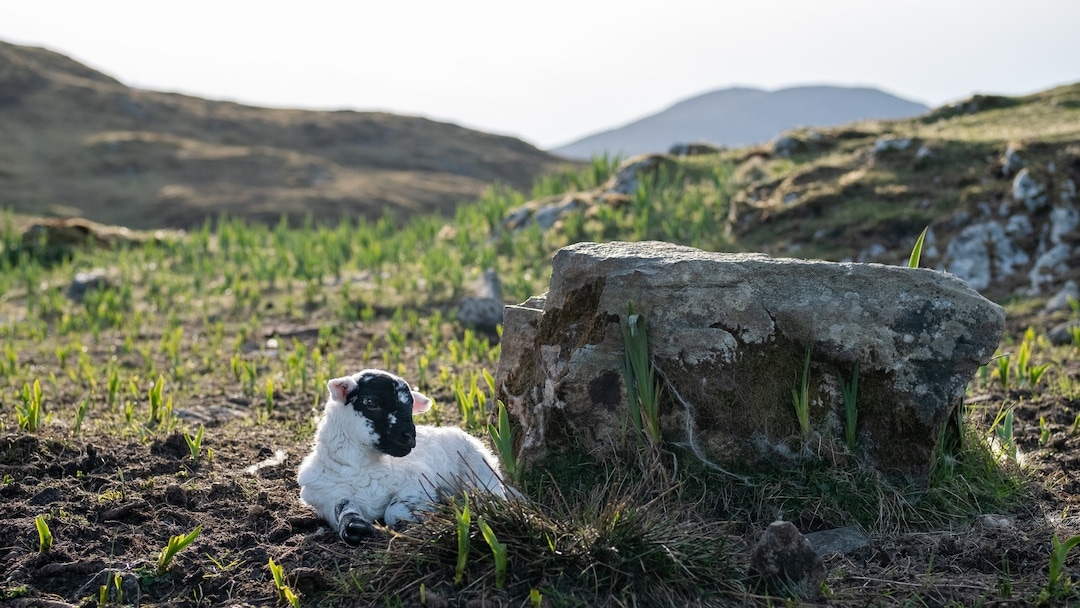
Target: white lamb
[[363, 466]]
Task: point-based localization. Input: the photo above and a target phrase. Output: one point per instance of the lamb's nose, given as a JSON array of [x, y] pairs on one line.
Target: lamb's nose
[[408, 438]]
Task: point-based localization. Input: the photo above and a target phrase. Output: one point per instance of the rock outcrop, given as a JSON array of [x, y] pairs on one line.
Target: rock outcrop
[[729, 334]]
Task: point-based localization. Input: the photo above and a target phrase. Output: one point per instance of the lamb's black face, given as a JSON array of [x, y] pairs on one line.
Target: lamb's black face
[[387, 402]]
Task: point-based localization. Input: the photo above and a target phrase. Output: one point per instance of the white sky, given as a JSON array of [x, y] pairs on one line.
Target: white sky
[[551, 71]]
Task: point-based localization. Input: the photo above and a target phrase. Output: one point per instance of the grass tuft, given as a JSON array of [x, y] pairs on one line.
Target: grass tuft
[[629, 540]]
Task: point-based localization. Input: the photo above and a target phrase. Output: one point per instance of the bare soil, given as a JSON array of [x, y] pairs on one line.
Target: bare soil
[[114, 503]]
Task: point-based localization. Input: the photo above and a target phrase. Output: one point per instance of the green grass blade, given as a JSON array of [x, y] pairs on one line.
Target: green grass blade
[[916, 251]]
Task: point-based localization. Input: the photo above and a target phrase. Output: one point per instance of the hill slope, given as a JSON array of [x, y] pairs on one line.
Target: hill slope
[[743, 116], [994, 178], [77, 142]]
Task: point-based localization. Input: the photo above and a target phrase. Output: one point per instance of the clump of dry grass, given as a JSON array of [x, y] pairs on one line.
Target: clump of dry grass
[[629, 541]]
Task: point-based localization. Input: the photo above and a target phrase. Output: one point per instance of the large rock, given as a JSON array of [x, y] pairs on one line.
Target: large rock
[[730, 333]]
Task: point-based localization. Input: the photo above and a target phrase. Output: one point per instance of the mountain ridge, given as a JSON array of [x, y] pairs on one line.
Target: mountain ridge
[[740, 116]]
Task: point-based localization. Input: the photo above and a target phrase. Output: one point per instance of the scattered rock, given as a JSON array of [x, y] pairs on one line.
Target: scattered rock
[[786, 562], [845, 541], [785, 146], [545, 217], [1026, 189], [85, 282], [1063, 222], [890, 144], [694, 149], [1068, 192], [729, 333], [485, 310], [547, 212], [1011, 162], [997, 522], [1060, 300], [632, 170], [53, 240], [1062, 333], [1049, 267], [480, 313], [980, 250]]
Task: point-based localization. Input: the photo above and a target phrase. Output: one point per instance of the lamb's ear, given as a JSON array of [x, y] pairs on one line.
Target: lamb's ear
[[421, 402], [339, 387]]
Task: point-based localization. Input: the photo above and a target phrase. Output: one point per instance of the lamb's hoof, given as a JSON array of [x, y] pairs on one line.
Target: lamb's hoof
[[354, 529]]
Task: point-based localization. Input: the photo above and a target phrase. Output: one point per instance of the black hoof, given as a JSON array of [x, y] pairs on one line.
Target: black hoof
[[354, 529]]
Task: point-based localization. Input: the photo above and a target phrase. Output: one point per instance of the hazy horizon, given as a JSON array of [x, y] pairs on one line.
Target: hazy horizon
[[554, 74]]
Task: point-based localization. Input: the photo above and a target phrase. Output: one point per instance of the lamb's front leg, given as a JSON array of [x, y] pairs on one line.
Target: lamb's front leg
[[407, 508], [352, 527]]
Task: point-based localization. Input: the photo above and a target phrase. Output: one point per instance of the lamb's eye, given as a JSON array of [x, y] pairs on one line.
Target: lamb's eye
[[370, 403]]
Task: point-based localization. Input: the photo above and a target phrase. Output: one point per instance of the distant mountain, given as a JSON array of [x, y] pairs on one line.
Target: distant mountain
[[75, 142], [743, 116]]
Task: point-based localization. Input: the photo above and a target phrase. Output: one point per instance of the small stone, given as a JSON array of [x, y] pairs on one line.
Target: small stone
[[845, 541], [85, 282], [888, 144], [1061, 300], [997, 522], [1011, 162], [784, 146], [787, 563], [693, 149], [481, 313], [1026, 189], [1062, 333]]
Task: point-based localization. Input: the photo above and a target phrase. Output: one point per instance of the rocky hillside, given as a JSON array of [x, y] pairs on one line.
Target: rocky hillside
[[742, 116], [993, 178], [75, 142]]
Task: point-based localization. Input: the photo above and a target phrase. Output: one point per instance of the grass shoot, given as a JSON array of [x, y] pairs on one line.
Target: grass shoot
[[800, 396], [1056, 583], [463, 518], [849, 392], [285, 593], [503, 439], [45, 537], [29, 413], [916, 251], [498, 552], [176, 544], [642, 387], [194, 443]]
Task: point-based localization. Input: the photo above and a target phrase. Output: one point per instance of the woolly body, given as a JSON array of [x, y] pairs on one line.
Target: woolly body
[[363, 466]]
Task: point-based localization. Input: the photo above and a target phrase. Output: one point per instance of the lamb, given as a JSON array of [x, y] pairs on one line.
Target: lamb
[[371, 462]]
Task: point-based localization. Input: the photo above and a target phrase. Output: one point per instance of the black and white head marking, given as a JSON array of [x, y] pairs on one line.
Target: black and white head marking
[[387, 403]]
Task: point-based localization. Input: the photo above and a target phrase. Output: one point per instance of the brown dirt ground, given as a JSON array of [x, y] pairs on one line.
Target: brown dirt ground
[[115, 503]]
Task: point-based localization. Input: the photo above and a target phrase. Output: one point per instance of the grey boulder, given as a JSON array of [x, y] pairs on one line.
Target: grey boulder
[[729, 335]]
